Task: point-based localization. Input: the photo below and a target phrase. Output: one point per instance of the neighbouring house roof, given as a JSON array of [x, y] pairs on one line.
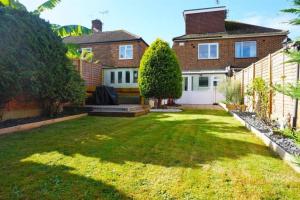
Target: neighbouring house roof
[[103, 37], [235, 30]]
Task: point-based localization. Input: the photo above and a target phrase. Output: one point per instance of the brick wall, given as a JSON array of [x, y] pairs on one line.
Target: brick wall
[[91, 74], [207, 22], [108, 53], [188, 54], [21, 107]]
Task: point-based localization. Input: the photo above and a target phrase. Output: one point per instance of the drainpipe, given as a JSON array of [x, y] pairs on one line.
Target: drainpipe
[[296, 102]]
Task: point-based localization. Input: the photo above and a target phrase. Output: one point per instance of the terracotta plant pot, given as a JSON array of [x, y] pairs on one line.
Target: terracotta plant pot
[[231, 107]]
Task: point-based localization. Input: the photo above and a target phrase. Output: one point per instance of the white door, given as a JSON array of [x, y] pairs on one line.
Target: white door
[[201, 89]]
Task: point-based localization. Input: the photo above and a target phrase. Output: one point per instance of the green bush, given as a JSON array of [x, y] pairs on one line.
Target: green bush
[[160, 74], [34, 62], [231, 89], [261, 92]]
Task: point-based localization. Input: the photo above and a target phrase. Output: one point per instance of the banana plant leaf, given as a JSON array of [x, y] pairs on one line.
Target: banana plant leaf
[[13, 4], [74, 53], [70, 30], [48, 5]]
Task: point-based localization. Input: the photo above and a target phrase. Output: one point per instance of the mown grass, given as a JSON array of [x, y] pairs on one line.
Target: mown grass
[[201, 154]]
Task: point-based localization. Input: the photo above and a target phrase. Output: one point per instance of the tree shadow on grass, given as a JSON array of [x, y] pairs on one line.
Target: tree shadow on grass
[[165, 139], [173, 144], [168, 140], [39, 181]]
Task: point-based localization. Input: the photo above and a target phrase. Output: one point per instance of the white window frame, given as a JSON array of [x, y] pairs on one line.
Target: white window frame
[[208, 82], [122, 77], [125, 47], [110, 77], [137, 72], [242, 44], [209, 56], [87, 49]]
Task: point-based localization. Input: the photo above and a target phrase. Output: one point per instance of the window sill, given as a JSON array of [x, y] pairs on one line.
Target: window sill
[[208, 58], [246, 58], [125, 58]]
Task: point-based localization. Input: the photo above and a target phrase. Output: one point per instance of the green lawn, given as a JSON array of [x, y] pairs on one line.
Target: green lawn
[[191, 155]]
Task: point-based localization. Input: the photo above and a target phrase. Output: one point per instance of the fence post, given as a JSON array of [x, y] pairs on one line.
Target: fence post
[[242, 85], [271, 84], [253, 100], [283, 84]]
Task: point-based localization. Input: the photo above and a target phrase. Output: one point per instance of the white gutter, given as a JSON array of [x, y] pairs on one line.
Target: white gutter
[[205, 72]]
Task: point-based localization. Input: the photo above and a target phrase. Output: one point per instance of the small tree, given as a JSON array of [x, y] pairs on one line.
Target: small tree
[[34, 62], [261, 93], [57, 85], [160, 74]]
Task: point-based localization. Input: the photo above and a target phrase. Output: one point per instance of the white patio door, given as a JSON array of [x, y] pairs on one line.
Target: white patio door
[[200, 89]]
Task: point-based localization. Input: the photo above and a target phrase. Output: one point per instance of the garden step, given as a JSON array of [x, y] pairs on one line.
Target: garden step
[[114, 113], [123, 110]]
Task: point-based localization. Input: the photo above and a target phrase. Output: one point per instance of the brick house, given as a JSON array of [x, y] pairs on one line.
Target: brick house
[[212, 46], [117, 56]]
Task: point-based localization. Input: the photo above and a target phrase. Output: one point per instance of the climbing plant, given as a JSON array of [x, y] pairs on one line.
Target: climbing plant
[[259, 93]]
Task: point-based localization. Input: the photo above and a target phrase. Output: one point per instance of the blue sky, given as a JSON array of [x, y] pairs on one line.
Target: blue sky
[[162, 18]]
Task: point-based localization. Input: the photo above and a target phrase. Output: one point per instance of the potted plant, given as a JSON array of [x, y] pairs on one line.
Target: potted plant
[[231, 89]]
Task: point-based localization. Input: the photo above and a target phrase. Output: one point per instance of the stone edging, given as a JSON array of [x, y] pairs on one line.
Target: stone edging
[[30, 126], [287, 157]]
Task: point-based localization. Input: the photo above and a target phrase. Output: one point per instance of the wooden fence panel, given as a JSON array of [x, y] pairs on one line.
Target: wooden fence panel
[[274, 69]]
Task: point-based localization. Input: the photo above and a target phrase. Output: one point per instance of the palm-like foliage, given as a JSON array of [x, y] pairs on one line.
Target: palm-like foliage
[[48, 5], [296, 11], [13, 3], [70, 30], [290, 90], [61, 31]]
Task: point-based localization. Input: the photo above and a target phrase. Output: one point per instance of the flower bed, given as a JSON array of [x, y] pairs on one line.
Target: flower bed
[[286, 143], [29, 126]]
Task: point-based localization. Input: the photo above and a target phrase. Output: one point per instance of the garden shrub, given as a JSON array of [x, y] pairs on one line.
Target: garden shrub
[[160, 74], [231, 89], [261, 93], [34, 62]]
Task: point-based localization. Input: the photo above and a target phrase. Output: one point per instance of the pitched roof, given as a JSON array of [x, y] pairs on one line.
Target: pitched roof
[[235, 29], [103, 37]]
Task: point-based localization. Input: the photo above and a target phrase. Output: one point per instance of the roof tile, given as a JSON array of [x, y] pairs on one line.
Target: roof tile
[[101, 37], [233, 29]]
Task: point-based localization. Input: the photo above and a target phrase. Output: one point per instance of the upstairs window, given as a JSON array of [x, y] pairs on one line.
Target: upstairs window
[[87, 50], [125, 52], [245, 49], [208, 51]]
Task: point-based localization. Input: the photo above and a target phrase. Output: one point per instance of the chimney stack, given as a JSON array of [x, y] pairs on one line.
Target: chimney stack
[[97, 26], [206, 20]]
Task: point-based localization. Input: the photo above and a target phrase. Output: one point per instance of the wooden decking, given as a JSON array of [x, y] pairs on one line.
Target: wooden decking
[[124, 110]]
